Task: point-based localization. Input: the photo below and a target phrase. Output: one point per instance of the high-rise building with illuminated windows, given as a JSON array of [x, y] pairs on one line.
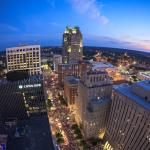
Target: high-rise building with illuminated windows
[[129, 121], [22, 98], [72, 45], [92, 105], [24, 58]]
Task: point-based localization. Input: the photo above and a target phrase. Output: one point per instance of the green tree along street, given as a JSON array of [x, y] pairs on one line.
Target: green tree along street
[[49, 104], [50, 64], [62, 100], [60, 139], [86, 147], [74, 126], [59, 135], [93, 141], [79, 137]]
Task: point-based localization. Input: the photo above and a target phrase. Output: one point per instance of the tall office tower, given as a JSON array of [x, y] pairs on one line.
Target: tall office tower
[[24, 58], [72, 45], [129, 120], [23, 97], [93, 103]]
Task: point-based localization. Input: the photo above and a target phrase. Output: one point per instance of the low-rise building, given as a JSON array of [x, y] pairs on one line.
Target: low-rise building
[[70, 90], [144, 75]]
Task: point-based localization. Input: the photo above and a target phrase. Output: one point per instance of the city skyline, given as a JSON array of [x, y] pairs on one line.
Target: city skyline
[[122, 24], [71, 97]]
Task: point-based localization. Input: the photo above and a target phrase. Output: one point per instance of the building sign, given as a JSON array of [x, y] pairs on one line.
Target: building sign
[[29, 86]]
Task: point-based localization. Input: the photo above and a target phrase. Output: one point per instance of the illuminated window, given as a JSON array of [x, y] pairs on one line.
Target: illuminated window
[[69, 49], [65, 39], [74, 31]]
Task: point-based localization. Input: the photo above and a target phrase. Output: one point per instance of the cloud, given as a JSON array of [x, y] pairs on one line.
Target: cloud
[[7, 27], [106, 41], [90, 8]]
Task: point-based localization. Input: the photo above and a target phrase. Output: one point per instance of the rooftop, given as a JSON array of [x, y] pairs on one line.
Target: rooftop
[[33, 78], [145, 84], [97, 102], [71, 80], [100, 101], [126, 90], [146, 74], [101, 65], [22, 46], [32, 134]]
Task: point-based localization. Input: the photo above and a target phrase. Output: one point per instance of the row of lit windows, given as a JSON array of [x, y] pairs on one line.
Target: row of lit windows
[[23, 66], [23, 61], [18, 56], [20, 50]]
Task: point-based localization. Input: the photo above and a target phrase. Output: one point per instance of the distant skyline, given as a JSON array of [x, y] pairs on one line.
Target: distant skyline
[[106, 23]]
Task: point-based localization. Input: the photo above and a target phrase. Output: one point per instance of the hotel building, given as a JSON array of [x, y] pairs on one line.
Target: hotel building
[[24, 58], [129, 121], [72, 45], [92, 104]]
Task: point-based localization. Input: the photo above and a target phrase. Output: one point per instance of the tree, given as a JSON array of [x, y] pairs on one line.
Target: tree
[[93, 141], [60, 140], [79, 136], [82, 143], [86, 147], [77, 131], [62, 100], [59, 135], [49, 104], [74, 126]]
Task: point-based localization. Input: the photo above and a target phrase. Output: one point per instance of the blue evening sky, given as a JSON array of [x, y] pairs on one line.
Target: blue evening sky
[[109, 23]]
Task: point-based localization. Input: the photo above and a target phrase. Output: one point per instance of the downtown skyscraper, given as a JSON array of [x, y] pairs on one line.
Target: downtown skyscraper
[[72, 45]]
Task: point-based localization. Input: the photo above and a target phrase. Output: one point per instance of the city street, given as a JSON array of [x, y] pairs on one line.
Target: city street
[[59, 115]]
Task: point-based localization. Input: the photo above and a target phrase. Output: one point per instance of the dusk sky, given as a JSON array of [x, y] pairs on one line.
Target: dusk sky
[[108, 23]]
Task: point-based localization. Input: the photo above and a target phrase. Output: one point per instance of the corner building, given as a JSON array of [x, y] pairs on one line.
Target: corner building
[[93, 103], [129, 121]]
